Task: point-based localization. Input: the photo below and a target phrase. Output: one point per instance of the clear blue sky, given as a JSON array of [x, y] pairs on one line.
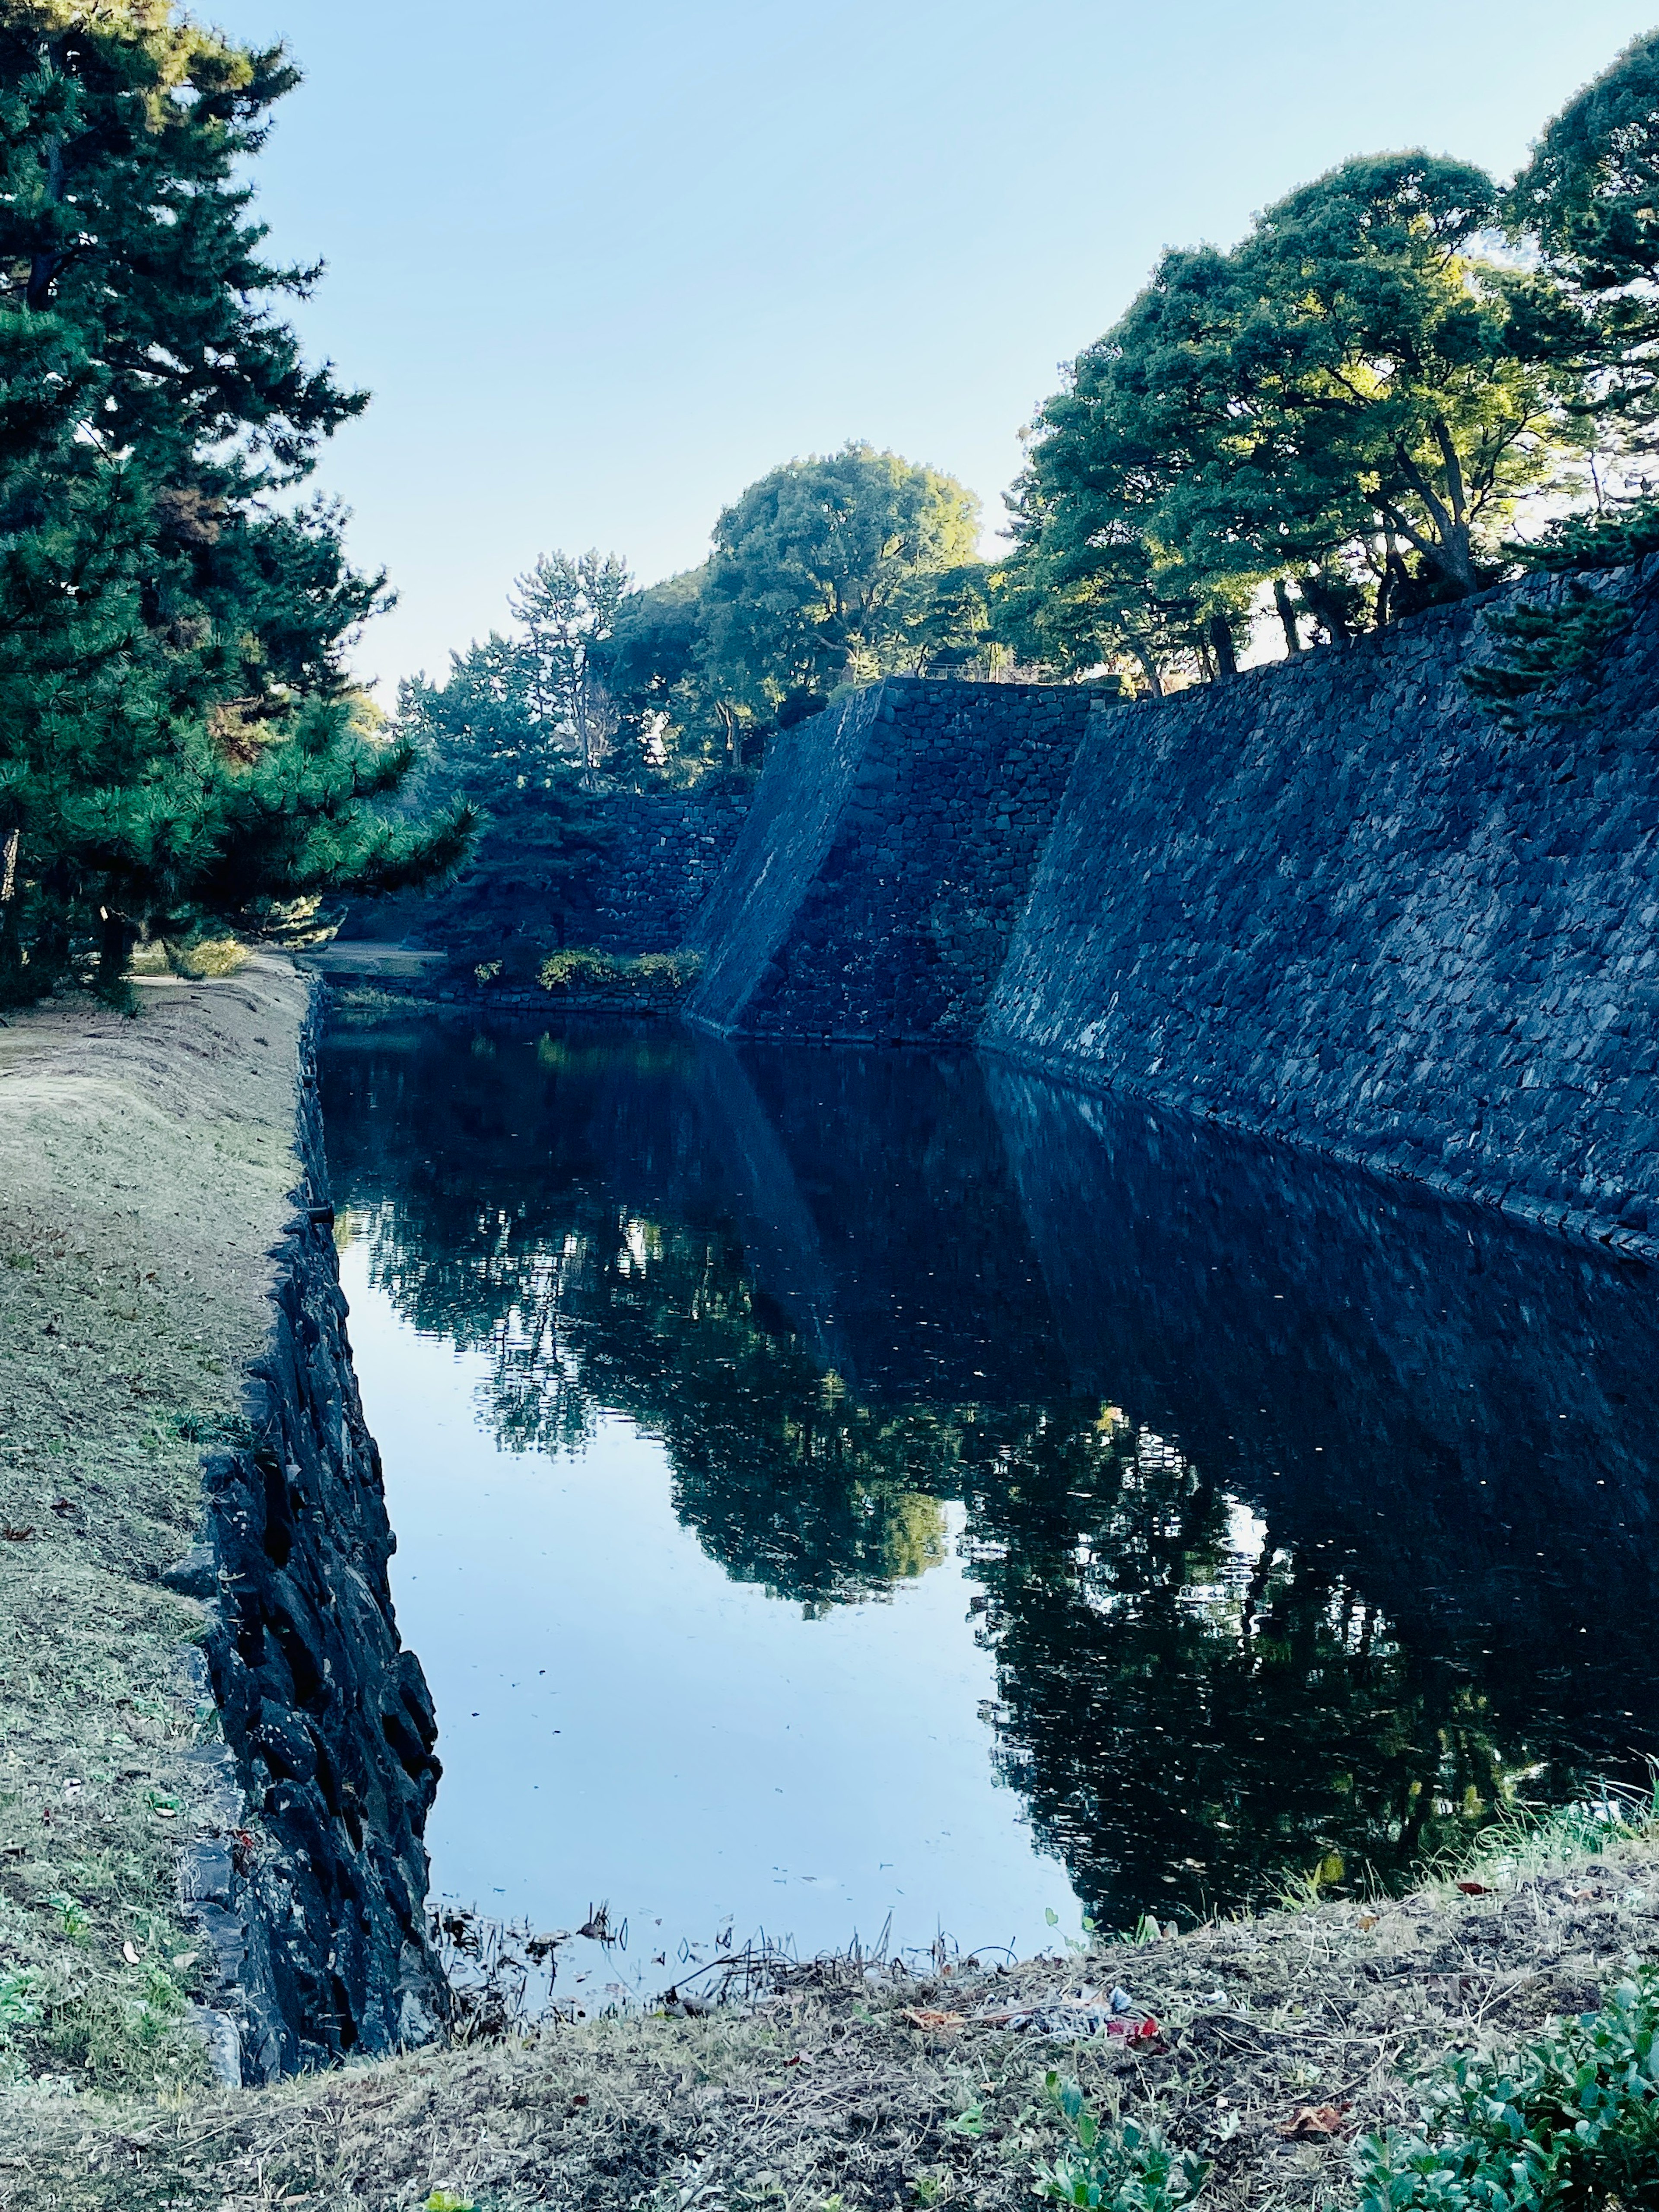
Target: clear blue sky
[[601, 266]]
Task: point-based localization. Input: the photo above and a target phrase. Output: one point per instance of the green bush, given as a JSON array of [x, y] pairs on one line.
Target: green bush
[[1127, 2169], [645, 975], [1569, 2124]]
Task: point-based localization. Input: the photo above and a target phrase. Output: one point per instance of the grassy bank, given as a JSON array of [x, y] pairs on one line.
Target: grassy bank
[[143, 1169], [1280, 2041]]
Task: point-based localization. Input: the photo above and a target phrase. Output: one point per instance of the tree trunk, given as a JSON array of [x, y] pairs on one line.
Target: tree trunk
[[1149, 669], [1325, 608], [1221, 638], [116, 938], [1286, 615], [8, 845], [44, 267]]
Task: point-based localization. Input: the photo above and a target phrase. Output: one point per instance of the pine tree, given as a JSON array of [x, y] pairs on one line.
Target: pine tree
[[177, 732]]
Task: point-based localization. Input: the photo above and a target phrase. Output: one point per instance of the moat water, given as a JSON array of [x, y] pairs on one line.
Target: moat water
[[844, 1492]]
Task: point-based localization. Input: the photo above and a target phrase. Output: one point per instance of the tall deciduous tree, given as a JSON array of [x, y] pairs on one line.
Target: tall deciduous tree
[[1340, 402], [177, 732], [814, 570]]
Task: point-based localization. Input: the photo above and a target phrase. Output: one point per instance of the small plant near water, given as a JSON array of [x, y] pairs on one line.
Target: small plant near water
[[645, 975], [1123, 2169], [1571, 2121], [1568, 2124]]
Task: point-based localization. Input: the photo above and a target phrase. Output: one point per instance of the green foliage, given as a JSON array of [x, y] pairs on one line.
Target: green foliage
[[566, 610], [1589, 197], [1130, 2169], [1541, 647], [826, 571], [1335, 407], [645, 975], [177, 731], [1569, 2124], [818, 570], [493, 741]]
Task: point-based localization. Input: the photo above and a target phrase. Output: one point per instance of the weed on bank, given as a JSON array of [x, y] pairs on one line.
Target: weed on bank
[[1468, 2046]]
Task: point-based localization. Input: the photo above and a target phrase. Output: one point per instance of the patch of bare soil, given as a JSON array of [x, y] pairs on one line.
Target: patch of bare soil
[[145, 1169], [1278, 2039]]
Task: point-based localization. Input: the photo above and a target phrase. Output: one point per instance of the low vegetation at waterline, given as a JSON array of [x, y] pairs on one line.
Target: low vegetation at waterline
[[646, 975], [1487, 2043]]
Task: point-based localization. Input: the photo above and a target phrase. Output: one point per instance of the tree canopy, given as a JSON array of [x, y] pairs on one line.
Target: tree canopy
[[827, 571], [1338, 408], [179, 734]]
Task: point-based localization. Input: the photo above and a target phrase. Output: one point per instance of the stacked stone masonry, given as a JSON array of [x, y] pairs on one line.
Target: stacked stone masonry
[[873, 891], [1326, 902], [663, 851], [317, 1926]]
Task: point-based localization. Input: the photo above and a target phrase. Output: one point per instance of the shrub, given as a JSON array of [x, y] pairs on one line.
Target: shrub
[[645, 975], [1570, 2123], [1127, 2169]]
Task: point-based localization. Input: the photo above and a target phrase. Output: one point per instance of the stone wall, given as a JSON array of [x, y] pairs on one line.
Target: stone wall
[[1327, 902], [665, 850], [873, 891], [317, 1925], [659, 852]]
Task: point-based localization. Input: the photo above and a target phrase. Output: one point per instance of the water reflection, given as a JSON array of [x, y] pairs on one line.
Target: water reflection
[[1308, 1520]]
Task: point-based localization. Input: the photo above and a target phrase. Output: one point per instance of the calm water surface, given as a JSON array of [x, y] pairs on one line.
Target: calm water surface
[[837, 1489]]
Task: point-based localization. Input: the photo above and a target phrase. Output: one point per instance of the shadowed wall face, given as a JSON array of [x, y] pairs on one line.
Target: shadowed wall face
[[873, 892], [1328, 902], [1325, 901]]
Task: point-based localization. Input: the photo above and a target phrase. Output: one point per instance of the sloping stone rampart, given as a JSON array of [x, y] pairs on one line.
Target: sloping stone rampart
[[873, 891], [1330, 903], [1326, 902], [666, 849]]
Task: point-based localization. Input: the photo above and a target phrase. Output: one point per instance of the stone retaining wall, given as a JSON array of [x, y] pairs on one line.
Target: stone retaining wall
[[1325, 901], [1329, 903], [873, 891]]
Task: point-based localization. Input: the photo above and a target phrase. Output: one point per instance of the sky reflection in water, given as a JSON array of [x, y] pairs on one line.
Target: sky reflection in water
[[838, 1483]]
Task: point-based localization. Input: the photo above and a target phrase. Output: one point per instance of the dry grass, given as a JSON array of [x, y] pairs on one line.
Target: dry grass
[[143, 1169], [826, 2094]]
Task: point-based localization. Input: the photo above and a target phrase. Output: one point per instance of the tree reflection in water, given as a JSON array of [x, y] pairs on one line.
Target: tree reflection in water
[[1200, 1698]]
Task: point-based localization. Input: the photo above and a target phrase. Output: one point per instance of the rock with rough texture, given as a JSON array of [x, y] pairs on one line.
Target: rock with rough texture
[[1328, 902], [329, 1718], [873, 889]]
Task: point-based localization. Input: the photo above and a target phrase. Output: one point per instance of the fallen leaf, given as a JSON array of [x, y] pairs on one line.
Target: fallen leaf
[[167, 1812], [1475, 1889], [129, 1954], [1314, 2120], [181, 1959], [943, 2023], [15, 1536], [1367, 1922], [64, 1505]]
